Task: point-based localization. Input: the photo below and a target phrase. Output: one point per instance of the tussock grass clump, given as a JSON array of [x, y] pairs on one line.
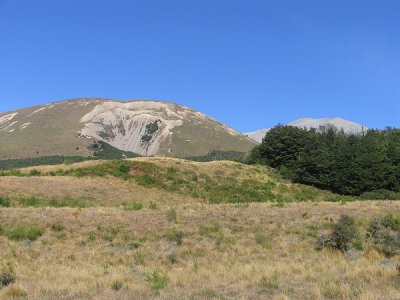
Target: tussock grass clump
[[268, 283], [157, 281], [264, 241], [175, 236], [15, 292], [25, 232], [117, 285], [109, 233], [5, 202], [57, 226]]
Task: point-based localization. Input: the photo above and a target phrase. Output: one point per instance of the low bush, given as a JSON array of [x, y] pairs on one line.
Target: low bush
[[7, 276], [385, 234], [344, 236], [157, 281]]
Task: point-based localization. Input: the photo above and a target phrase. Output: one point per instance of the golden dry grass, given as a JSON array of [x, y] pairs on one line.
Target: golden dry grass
[[83, 260]]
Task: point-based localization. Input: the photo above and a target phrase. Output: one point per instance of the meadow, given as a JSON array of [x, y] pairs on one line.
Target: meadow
[[159, 228]]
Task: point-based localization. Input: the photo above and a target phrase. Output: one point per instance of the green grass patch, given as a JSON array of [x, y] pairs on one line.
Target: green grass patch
[[25, 232], [50, 202]]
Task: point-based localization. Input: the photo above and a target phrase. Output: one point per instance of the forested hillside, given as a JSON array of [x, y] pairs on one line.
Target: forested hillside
[[346, 164]]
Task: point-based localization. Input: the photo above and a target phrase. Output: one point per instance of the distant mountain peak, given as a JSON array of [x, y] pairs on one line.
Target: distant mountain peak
[[348, 127]]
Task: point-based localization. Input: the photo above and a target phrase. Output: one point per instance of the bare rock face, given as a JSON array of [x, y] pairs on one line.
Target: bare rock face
[[139, 126], [308, 123]]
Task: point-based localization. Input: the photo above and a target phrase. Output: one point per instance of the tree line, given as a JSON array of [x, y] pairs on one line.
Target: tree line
[[332, 160]]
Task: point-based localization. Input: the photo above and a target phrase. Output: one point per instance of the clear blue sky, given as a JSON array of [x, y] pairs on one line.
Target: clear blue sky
[[248, 63]]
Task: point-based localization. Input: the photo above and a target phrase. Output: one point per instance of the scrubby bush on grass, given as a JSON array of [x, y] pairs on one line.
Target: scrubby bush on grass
[[385, 234], [25, 232], [7, 276], [343, 236], [5, 202], [157, 281]]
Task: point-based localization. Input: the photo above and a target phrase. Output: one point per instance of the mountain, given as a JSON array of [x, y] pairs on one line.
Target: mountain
[[308, 123], [73, 127]]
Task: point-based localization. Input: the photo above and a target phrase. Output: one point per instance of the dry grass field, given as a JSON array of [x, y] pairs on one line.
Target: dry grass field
[[135, 239]]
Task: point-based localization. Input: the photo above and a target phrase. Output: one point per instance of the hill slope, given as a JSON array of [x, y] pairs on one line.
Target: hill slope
[[144, 127], [308, 123]]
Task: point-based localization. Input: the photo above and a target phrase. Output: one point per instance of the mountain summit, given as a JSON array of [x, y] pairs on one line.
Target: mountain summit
[[309, 123], [143, 127]]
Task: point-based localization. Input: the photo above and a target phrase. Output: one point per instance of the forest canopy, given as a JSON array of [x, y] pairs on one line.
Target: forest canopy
[[332, 160]]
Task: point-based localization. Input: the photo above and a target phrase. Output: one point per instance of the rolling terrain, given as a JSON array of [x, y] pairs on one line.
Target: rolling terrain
[[164, 228], [70, 128]]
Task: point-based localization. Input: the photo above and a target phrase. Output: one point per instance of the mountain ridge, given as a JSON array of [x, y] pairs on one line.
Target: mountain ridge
[[146, 127], [348, 127]]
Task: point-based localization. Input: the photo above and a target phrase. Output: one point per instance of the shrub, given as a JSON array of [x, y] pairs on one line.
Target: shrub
[[5, 202], [25, 232], [385, 234], [117, 285], [157, 281], [344, 236], [7, 276]]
